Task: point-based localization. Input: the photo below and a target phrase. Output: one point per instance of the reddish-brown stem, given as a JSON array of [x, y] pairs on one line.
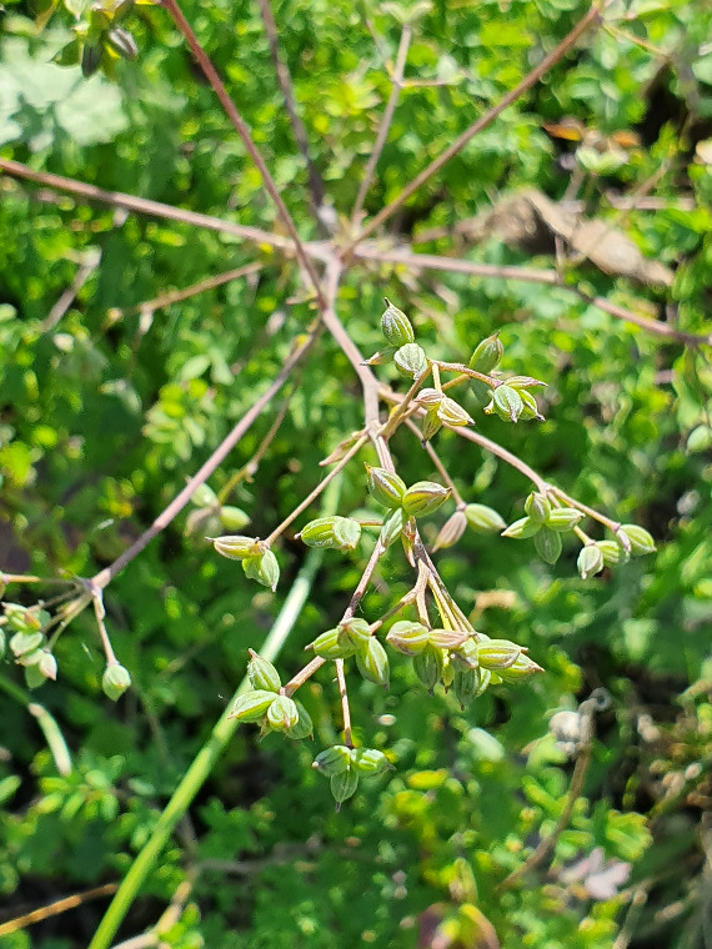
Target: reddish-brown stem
[[106, 575], [316, 185], [100, 613], [384, 128], [243, 131], [118, 199], [177, 296], [529, 275], [345, 708], [593, 15]]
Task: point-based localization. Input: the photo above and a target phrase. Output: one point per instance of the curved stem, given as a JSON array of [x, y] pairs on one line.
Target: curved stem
[[45, 720]]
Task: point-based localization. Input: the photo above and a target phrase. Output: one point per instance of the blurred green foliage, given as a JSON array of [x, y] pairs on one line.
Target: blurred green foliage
[[105, 412]]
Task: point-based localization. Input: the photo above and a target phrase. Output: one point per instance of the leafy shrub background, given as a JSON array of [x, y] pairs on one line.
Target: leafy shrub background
[[106, 413]]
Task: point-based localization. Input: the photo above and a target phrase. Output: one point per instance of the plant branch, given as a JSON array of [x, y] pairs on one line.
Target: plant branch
[[243, 131], [345, 708], [204, 762], [105, 576], [592, 16], [384, 128], [55, 908], [528, 275], [316, 185]]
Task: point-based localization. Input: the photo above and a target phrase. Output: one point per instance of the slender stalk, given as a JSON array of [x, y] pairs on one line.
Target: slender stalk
[[100, 613], [55, 908], [45, 720], [243, 131], [313, 495], [386, 121], [204, 762], [592, 16], [105, 576], [316, 185], [345, 708], [435, 458], [67, 298]]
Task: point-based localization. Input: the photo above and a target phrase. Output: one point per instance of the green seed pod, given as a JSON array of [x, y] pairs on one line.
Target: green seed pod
[[252, 706], [548, 545], [452, 413], [530, 409], [451, 531], [522, 383], [507, 403], [431, 424], [497, 653], [610, 551], [372, 662], [522, 667], [408, 638], [483, 519], [385, 486], [204, 496], [233, 518], [33, 677], [562, 519], [429, 398], [336, 533], [448, 638], [262, 674], [282, 714], [22, 619], [428, 666], [411, 360], [343, 786], [30, 658], [370, 761], [590, 561], [383, 355], [304, 727], [641, 541], [481, 391], [393, 527], [537, 507], [47, 665], [23, 644], [115, 681], [122, 42], [236, 547], [334, 760], [357, 631], [424, 497], [333, 644], [264, 568], [466, 683], [396, 326], [487, 354], [466, 654], [524, 527]]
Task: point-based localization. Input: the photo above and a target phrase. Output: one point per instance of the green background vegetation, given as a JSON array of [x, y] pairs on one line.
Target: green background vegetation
[[105, 414]]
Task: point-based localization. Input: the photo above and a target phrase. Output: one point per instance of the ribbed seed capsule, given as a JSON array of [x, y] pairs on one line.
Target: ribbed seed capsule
[[304, 727], [448, 638], [408, 638], [522, 667], [424, 497], [431, 424], [524, 527], [122, 42], [264, 568], [336, 533], [252, 706], [548, 545], [497, 654], [282, 715], [236, 547], [393, 527], [563, 519], [396, 326], [370, 761], [411, 360], [530, 409], [507, 403], [610, 551], [537, 507], [233, 518], [481, 391], [465, 684], [487, 354], [590, 561], [483, 519], [116, 680], [451, 531], [343, 786], [428, 666], [452, 413], [334, 760], [386, 487], [22, 644], [641, 541], [372, 662], [262, 674], [333, 644], [357, 631]]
